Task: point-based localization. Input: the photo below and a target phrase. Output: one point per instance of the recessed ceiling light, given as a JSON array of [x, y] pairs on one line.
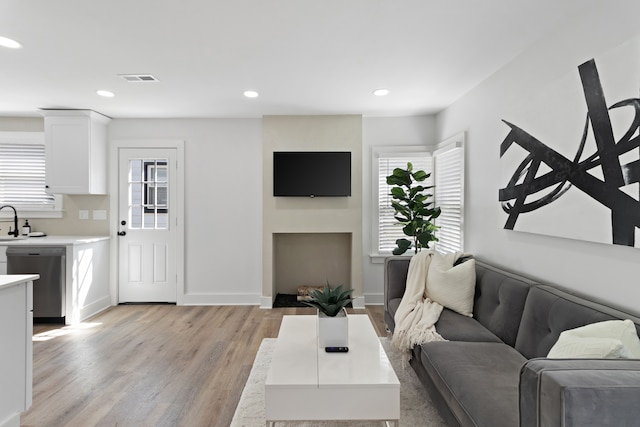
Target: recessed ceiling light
[[251, 94], [381, 92], [11, 44], [105, 93]]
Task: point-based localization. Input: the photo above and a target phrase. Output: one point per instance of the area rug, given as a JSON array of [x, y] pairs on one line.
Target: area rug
[[416, 408]]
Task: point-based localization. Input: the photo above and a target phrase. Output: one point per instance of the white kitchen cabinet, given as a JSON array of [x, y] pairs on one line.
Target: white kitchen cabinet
[[87, 288], [3, 260], [76, 151], [16, 357]]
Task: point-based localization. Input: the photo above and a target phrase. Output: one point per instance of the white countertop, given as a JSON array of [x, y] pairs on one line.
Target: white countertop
[[54, 240], [16, 279]]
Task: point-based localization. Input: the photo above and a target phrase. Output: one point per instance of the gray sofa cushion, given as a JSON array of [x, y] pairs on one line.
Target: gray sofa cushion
[[478, 380], [392, 307], [549, 311], [395, 281], [395, 269], [451, 325], [499, 301], [456, 327]]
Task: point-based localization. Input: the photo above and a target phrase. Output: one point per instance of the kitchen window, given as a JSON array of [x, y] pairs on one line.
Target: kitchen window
[[22, 176]]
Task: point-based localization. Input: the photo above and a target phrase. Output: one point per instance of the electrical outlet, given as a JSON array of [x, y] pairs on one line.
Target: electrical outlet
[[83, 214]]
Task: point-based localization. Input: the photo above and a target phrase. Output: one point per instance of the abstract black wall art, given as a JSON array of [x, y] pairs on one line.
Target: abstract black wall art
[[585, 187]]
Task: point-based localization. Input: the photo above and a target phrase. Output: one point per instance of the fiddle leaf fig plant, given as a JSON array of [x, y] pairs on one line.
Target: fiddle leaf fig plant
[[329, 301], [413, 209]]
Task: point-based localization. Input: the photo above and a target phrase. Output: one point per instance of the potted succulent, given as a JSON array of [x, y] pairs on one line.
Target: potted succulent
[[333, 325], [413, 209]]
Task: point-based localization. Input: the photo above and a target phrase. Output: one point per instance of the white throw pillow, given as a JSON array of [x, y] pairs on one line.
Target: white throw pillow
[[452, 287], [623, 331], [573, 347]]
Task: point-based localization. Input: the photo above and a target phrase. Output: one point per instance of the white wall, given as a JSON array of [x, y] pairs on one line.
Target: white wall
[[385, 132], [607, 272], [223, 203], [223, 160]]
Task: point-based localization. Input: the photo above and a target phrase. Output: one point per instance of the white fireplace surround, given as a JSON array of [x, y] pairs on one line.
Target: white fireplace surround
[[312, 240]]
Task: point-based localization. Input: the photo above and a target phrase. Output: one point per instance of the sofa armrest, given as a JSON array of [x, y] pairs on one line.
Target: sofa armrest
[[395, 277], [579, 392]]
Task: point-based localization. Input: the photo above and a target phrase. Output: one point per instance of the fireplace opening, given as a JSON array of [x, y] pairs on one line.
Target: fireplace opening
[[309, 259], [291, 300]]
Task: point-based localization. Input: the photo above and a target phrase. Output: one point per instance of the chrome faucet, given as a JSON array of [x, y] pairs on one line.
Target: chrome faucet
[[15, 220]]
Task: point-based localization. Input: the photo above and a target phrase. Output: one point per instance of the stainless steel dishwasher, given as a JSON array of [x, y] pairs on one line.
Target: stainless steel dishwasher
[[49, 290]]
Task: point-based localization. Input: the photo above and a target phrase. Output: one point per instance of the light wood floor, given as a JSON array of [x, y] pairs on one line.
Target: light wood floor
[[151, 365]]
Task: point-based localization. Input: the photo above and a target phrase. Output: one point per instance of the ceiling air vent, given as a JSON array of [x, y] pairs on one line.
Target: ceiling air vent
[[137, 78]]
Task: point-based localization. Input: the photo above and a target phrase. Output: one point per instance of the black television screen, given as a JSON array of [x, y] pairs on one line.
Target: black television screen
[[312, 173]]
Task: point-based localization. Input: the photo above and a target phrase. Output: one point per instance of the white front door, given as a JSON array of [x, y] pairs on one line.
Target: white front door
[[147, 225]]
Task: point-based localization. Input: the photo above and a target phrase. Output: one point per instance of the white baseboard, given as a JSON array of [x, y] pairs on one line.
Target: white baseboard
[[75, 315], [12, 421], [95, 307], [266, 302], [358, 302], [222, 299], [374, 299]]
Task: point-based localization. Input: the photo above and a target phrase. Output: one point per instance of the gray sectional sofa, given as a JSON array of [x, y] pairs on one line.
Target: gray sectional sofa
[[493, 370]]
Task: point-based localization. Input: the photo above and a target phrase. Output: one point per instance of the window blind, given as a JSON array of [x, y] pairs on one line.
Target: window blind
[[449, 181], [22, 177], [389, 230]]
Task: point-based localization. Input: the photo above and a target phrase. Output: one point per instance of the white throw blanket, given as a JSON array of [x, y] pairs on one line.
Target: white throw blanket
[[417, 315]]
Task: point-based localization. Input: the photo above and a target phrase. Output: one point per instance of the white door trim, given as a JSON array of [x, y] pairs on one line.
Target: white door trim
[[114, 148]]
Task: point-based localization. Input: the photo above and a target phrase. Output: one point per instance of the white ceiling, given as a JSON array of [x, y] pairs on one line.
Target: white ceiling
[[302, 56]]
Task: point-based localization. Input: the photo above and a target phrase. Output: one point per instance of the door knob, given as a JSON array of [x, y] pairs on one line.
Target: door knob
[[122, 233]]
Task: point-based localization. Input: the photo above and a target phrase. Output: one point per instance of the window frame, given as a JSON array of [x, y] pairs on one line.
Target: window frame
[[152, 185], [29, 138], [375, 255], [454, 142]]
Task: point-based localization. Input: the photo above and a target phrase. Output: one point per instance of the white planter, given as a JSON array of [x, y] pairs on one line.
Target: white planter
[[333, 331]]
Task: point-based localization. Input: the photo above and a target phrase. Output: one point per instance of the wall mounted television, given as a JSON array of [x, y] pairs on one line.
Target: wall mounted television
[[312, 174]]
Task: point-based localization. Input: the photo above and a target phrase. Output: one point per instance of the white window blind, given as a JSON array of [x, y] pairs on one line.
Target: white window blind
[[449, 196], [22, 177], [388, 228]]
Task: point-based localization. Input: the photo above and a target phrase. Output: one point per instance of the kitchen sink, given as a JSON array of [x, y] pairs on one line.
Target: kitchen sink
[[11, 238]]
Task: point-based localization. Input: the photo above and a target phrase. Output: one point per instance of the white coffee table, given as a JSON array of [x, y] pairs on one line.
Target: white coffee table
[[304, 383]]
